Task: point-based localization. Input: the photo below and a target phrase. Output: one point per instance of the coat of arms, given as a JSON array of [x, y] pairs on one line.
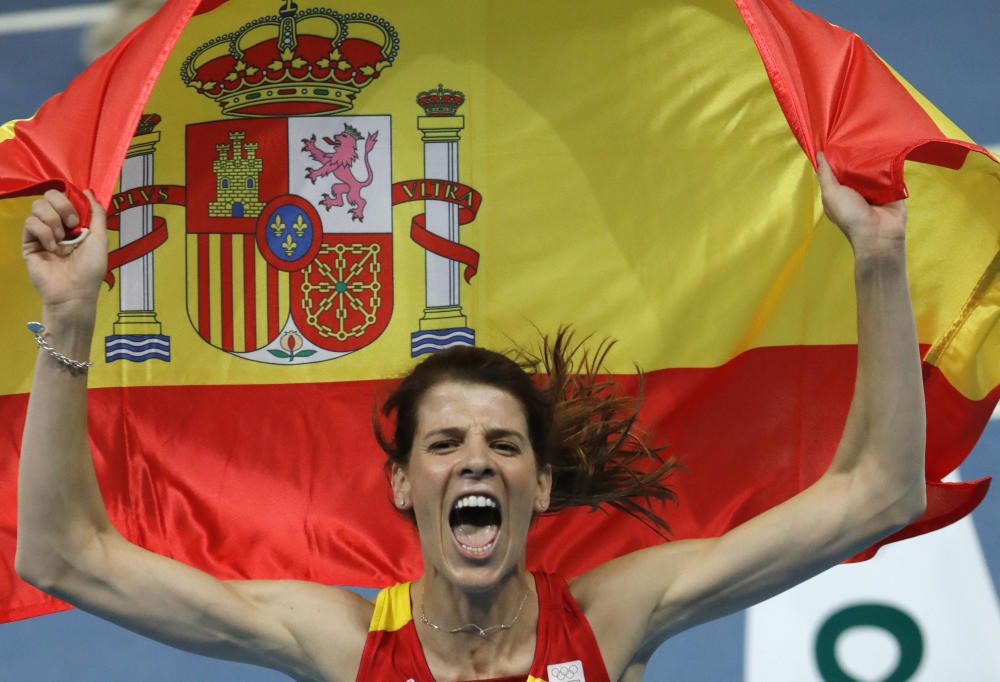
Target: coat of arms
[[289, 199]]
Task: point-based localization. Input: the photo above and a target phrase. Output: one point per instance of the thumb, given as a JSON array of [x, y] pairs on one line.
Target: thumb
[[827, 179], [98, 216]]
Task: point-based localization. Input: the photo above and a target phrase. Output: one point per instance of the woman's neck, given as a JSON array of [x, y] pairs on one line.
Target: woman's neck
[[449, 606], [483, 633]]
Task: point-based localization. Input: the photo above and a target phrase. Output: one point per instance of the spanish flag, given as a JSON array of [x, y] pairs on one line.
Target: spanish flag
[[309, 196]]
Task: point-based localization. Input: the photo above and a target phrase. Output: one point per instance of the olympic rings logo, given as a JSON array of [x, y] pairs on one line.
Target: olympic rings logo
[[571, 671]]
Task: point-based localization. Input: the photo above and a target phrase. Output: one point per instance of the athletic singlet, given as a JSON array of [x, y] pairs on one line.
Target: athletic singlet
[[565, 647]]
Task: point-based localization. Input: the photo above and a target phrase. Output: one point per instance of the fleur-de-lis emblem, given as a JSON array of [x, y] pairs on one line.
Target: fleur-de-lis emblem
[[288, 245], [277, 227], [300, 225]]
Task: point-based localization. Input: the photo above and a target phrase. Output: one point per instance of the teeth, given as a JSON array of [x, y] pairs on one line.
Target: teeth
[[478, 550], [475, 501]]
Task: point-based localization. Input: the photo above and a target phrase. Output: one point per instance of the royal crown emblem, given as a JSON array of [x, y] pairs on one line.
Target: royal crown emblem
[[295, 63], [441, 101]]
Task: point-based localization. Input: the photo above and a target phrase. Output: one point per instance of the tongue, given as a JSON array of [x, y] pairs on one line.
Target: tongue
[[476, 537]]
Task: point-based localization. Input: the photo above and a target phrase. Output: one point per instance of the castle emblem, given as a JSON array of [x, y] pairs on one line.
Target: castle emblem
[[237, 179]]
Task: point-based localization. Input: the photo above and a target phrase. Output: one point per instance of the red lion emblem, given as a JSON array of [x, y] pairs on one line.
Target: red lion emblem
[[340, 161]]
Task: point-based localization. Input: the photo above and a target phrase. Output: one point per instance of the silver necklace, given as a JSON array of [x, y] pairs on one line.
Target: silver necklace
[[474, 629]]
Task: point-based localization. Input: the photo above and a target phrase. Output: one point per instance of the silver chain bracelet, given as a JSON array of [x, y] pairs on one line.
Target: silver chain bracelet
[[74, 366]]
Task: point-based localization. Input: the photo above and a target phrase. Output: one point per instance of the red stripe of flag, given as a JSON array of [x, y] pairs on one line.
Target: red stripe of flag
[[272, 303], [204, 292], [226, 285], [249, 293]]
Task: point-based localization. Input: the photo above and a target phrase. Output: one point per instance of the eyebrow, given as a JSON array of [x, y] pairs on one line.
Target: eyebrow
[[505, 433], [459, 433]]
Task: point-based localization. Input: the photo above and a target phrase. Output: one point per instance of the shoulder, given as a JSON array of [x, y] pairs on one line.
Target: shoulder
[[392, 609], [554, 592]]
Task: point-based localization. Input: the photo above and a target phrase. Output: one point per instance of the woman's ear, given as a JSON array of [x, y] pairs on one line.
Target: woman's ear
[[400, 488], [544, 494]]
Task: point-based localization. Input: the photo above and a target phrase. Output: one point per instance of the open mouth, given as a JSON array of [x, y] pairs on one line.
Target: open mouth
[[475, 524]]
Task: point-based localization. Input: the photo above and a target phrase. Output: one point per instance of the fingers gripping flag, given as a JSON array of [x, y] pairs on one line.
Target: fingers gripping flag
[[308, 196]]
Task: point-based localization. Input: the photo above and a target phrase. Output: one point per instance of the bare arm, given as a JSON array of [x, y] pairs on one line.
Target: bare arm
[[67, 546], [874, 485]]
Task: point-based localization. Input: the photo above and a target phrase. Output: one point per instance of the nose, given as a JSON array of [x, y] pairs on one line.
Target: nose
[[477, 462]]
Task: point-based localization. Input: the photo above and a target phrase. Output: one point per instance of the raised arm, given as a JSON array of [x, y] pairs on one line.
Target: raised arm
[[66, 544], [873, 487]]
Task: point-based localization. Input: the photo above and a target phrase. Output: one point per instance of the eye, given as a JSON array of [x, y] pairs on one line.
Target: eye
[[506, 447], [443, 445]]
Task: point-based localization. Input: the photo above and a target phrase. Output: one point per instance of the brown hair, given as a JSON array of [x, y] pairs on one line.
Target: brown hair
[[577, 422]]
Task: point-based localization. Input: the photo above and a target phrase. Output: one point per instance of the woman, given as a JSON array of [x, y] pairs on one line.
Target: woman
[[472, 474]]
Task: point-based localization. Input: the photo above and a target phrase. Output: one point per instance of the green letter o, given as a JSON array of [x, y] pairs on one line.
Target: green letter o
[[897, 623]]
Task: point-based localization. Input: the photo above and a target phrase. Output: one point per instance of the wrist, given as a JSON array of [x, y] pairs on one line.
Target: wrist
[[80, 313], [69, 331], [875, 263], [878, 251]]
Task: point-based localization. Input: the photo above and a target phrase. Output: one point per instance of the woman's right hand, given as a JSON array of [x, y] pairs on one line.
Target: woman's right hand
[[67, 278]]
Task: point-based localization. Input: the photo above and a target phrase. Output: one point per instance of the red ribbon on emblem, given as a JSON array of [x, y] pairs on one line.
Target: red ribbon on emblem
[[133, 198], [468, 201]]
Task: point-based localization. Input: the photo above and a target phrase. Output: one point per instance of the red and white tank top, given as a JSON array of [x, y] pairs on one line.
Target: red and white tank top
[[565, 647]]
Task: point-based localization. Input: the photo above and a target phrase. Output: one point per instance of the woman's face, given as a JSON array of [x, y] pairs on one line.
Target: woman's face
[[473, 483]]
